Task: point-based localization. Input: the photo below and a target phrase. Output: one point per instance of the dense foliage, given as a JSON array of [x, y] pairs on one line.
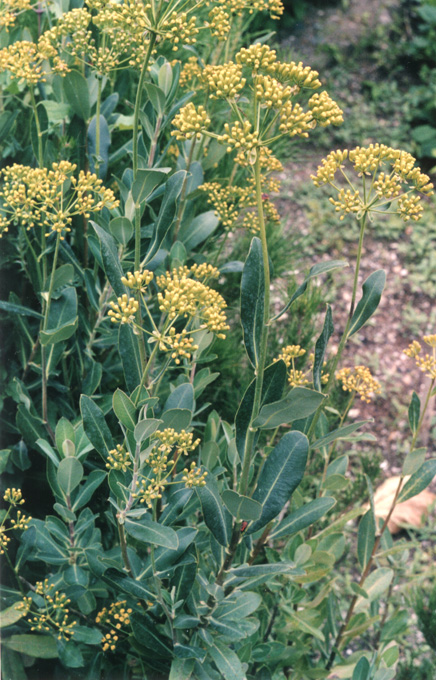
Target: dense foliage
[[144, 534]]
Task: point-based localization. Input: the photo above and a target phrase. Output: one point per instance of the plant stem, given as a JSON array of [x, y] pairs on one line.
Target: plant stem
[[264, 336], [182, 203], [123, 546], [97, 128]]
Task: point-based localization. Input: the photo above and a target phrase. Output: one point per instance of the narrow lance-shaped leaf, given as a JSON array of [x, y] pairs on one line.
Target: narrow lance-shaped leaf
[[226, 661], [217, 518], [414, 412], [167, 213], [146, 182], [253, 300], [299, 403], [147, 531], [303, 517], [340, 433], [320, 348], [281, 474], [418, 481], [95, 426], [129, 352], [111, 261], [372, 290], [124, 409], [366, 538]]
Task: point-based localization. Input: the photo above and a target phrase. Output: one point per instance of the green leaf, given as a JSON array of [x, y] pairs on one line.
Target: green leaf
[[12, 664], [62, 277], [121, 229], [177, 418], [418, 481], [241, 507], [64, 430], [320, 348], [414, 460], [362, 669], [372, 290], [13, 308], [274, 379], [83, 495], [167, 213], [69, 474], [145, 428], [39, 646], [316, 270], [414, 412], [48, 451], [335, 482], [299, 403], [62, 318], [181, 397], [124, 409], [189, 652], [299, 622], [217, 518], [156, 96], [340, 433], [303, 517], [147, 531], [164, 559], [4, 458], [30, 426], [226, 661], [181, 669], [366, 538], [256, 570], [145, 631], [252, 300], [375, 585], [13, 614], [281, 474], [146, 182], [238, 605], [77, 94], [111, 261], [128, 349], [199, 229], [105, 142], [94, 424]]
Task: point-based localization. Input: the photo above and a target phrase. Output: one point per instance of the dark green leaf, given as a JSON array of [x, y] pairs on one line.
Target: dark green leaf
[[83, 495], [62, 277], [76, 93], [414, 460], [372, 290], [64, 430], [29, 425], [121, 229], [129, 352], [199, 229], [147, 531], [281, 474], [177, 418], [418, 481], [4, 458], [93, 375], [217, 518], [226, 661], [167, 213], [62, 318], [111, 261], [252, 300], [39, 646], [303, 517], [320, 348], [164, 559], [181, 669], [12, 614], [241, 507], [156, 96], [366, 538], [95, 426], [340, 433], [362, 669], [105, 142], [299, 403], [144, 630], [124, 409], [146, 182], [238, 605], [19, 309], [12, 664], [181, 397], [189, 652], [414, 412], [145, 428]]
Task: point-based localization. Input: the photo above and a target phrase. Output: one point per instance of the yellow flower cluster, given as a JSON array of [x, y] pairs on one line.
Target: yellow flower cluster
[[194, 476], [123, 310], [53, 615], [219, 22], [10, 9], [182, 296], [118, 459], [257, 57], [190, 121], [180, 442], [72, 36], [24, 62], [427, 362], [325, 111], [180, 345], [393, 179], [359, 380], [242, 138], [270, 92], [191, 74], [37, 195], [296, 377], [224, 81], [294, 120], [13, 497], [118, 618], [138, 280]]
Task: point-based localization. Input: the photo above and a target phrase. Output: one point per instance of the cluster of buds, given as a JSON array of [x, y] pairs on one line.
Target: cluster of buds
[[224, 82], [14, 498], [179, 345], [194, 476], [23, 61], [138, 280], [117, 618], [179, 443], [118, 459], [123, 310], [297, 377], [10, 10], [53, 614], [360, 381], [426, 362], [149, 490], [190, 122], [394, 179]]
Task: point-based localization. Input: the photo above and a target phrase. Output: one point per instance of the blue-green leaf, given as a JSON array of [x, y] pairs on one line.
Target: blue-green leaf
[[299, 403], [69, 474], [320, 348], [281, 474], [303, 517], [372, 290], [111, 261], [366, 538], [362, 669], [129, 352], [147, 531], [418, 481], [241, 507], [105, 142], [199, 229], [121, 229], [414, 412], [95, 426], [253, 300], [62, 318], [124, 409], [146, 182], [167, 213], [217, 518], [13, 308], [226, 661], [77, 94], [38, 646]]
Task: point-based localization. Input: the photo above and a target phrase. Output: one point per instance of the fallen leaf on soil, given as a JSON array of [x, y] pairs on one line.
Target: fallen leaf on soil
[[410, 512]]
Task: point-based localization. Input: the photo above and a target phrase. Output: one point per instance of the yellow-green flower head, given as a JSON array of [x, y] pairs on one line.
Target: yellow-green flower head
[[123, 310], [295, 74], [138, 280], [270, 92], [359, 380], [224, 82], [181, 296], [23, 61], [117, 619], [191, 74], [11, 8], [13, 496], [425, 362], [240, 137], [389, 178], [257, 57], [194, 476], [295, 121], [190, 121], [54, 615], [219, 22], [183, 442], [118, 459], [324, 110], [179, 345]]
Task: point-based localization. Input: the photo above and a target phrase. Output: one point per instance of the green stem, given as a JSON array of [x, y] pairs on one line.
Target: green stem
[[97, 128], [182, 203], [146, 371], [264, 335], [46, 311], [123, 546]]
